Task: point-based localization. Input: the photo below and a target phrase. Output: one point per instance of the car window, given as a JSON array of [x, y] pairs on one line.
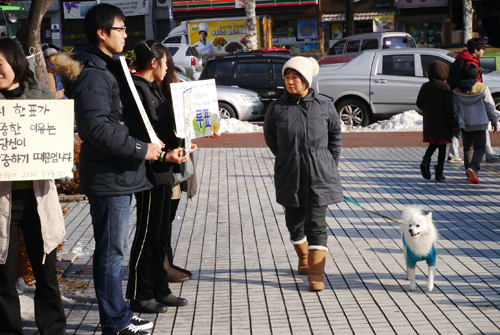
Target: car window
[[338, 48], [353, 46], [252, 71], [427, 59], [369, 44], [173, 50], [278, 70], [397, 42], [174, 39], [225, 69], [191, 51], [398, 65], [209, 70], [489, 63]]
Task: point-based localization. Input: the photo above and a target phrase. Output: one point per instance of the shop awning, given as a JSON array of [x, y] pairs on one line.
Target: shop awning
[[360, 16]]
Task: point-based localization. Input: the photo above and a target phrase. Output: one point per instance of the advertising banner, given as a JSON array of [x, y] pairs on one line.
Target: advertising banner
[[420, 3], [307, 29], [78, 9], [196, 109], [383, 23], [36, 139], [227, 36]]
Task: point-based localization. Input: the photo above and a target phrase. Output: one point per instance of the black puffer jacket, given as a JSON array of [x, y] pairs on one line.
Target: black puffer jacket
[[162, 119], [111, 161], [305, 136]]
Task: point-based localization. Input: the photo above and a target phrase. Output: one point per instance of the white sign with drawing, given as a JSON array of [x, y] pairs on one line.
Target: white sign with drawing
[[36, 139], [196, 109]]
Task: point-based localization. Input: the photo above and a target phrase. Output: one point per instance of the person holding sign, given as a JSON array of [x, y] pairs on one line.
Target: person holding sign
[[33, 208], [112, 163], [302, 129], [148, 288]]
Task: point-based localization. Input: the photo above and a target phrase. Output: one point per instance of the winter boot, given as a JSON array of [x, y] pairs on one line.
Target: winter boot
[[438, 169], [316, 258], [170, 257], [174, 276], [425, 167], [301, 250]]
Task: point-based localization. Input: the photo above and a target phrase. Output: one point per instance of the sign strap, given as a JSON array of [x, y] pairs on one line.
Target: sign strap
[[142, 111]]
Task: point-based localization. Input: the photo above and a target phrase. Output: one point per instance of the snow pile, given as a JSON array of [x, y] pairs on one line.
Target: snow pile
[[406, 121], [235, 126]]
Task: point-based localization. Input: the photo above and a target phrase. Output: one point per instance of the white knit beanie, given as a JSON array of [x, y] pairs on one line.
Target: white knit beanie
[[307, 67]]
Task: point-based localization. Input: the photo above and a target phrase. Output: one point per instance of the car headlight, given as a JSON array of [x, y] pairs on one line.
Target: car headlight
[[250, 98]]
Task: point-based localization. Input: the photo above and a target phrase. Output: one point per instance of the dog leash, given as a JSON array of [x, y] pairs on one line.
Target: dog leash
[[373, 212]]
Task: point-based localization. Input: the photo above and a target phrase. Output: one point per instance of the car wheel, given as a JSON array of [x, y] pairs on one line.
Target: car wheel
[[226, 111], [354, 112], [497, 104]]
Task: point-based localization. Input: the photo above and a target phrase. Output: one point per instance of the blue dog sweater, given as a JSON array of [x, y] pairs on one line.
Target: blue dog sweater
[[412, 259]]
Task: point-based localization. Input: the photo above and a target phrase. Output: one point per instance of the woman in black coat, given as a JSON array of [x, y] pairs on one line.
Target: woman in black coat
[[303, 131]]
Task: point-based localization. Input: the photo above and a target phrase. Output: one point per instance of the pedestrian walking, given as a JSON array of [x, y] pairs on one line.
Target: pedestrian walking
[[434, 99], [471, 55], [475, 109], [148, 288], [302, 129], [112, 163], [31, 207], [55, 80]]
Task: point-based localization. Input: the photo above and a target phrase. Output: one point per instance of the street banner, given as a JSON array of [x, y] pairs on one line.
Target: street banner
[[78, 9], [36, 139], [196, 109]]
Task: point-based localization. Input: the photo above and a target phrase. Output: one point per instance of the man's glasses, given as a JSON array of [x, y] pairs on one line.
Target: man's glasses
[[122, 29]]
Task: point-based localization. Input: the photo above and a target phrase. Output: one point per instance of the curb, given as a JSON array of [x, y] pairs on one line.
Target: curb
[[72, 198]]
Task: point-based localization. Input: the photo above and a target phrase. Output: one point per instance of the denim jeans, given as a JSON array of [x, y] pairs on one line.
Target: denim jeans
[[110, 219]]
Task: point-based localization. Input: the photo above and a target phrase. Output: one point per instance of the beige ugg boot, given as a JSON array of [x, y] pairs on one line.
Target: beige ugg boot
[[317, 258], [301, 250]]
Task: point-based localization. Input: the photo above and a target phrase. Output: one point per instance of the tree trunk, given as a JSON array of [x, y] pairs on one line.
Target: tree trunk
[[32, 46], [349, 18], [251, 25], [468, 11]]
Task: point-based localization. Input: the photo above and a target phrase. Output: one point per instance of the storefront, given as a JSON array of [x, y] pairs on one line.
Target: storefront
[[428, 22], [299, 34]]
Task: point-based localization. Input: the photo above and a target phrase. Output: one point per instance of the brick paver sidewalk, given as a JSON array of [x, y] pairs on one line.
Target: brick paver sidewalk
[[232, 235]]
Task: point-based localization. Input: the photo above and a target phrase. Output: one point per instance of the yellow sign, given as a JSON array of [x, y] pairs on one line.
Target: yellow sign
[[383, 23], [226, 36]]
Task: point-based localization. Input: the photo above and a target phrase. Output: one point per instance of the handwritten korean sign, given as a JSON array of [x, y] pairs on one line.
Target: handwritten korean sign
[[196, 109], [36, 139]]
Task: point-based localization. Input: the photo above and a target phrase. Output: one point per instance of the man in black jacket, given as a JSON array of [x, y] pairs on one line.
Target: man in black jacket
[[112, 163]]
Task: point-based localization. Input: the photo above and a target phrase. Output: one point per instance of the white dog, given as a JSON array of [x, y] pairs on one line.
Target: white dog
[[419, 235]]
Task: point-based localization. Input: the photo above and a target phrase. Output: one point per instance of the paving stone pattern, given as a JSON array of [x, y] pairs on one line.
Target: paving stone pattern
[[233, 237]]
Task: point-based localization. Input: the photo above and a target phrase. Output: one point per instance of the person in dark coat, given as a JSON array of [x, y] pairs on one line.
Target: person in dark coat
[[302, 129], [434, 99]]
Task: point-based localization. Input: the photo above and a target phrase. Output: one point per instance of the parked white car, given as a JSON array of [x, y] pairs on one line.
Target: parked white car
[[186, 58], [380, 83], [235, 102]]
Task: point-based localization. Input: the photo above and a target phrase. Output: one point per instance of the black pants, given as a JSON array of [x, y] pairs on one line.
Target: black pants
[[307, 221], [474, 148], [441, 154], [147, 276], [49, 310]]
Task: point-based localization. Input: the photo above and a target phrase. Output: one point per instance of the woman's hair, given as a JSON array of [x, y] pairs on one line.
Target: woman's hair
[[470, 71], [289, 69], [170, 78], [101, 16], [146, 51], [14, 55]]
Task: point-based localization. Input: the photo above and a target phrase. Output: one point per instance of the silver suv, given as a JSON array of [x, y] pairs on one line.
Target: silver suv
[[382, 40], [187, 60]]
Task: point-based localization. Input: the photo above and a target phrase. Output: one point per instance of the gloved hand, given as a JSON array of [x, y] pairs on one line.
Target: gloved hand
[[65, 179]]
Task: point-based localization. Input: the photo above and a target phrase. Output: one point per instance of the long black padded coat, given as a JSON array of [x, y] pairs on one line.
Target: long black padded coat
[[305, 136]]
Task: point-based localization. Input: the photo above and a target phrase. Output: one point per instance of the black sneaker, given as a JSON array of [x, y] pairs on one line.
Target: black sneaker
[[141, 324], [132, 330]]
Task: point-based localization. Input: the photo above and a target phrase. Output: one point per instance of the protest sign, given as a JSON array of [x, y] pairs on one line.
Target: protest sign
[[36, 139], [196, 109]]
